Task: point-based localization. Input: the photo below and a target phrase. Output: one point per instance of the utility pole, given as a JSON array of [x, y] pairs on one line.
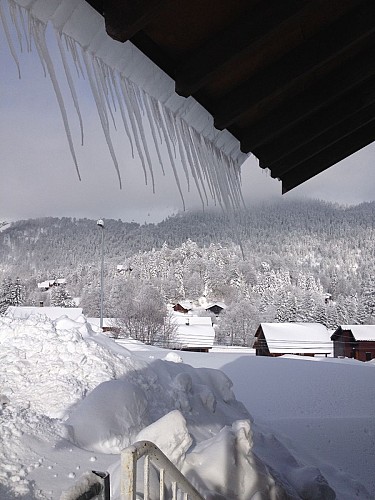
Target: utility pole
[[100, 223]]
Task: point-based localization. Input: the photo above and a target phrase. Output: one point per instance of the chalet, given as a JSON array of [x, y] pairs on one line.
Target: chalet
[[216, 308], [24, 312], [194, 333], [303, 339], [354, 341], [183, 307]]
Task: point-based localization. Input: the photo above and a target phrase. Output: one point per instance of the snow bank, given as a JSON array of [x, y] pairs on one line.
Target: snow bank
[[70, 397]]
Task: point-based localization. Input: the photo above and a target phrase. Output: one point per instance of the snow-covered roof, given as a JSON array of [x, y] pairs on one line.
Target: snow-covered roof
[[198, 333], [46, 284], [24, 312], [212, 304], [361, 332], [192, 320], [186, 304], [297, 338]]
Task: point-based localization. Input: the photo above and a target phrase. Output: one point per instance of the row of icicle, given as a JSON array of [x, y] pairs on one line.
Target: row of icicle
[[215, 173]]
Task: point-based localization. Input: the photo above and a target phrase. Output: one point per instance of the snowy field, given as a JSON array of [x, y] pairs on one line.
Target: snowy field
[[71, 399]]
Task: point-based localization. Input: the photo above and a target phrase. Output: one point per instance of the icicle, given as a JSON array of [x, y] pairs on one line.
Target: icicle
[[122, 110], [200, 164], [172, 161], [134, 127], [14, 17], [70, 81], [102, 89], [9, 39], [138, 117], [193, 173], [157, 116], [38, 30], [171, 133], [199, 185], [108, 74], [153, 132], [102, 116], [177, 133], [26, 32], [72, 48]]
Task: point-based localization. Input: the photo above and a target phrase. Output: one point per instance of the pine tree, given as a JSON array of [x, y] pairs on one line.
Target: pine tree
[[60, 297]]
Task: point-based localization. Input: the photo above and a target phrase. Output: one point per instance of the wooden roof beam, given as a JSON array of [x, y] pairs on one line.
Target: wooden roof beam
[[202, 66], [295, 138], [298, 66], [330, 156], [324, 141], [125, 18], [304, 104]]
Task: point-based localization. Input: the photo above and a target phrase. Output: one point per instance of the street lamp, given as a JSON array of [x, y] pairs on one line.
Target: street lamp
[[100, 223]]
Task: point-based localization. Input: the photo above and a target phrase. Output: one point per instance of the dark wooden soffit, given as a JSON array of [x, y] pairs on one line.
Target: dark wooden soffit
[[293, 80]]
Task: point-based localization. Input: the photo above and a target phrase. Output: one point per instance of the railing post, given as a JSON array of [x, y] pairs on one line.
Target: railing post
[[153, 454], [129, 473]]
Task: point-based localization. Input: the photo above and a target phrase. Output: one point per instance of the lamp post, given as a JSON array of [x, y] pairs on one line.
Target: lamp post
[[100, 223]]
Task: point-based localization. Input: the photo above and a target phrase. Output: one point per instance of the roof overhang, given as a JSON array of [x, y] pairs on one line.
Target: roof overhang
[[293, 81]]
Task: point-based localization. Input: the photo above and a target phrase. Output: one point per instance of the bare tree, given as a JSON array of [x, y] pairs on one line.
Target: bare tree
[[141, 313]]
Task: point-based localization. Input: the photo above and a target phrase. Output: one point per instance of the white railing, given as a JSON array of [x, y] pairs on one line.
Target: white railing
[[151, 453]]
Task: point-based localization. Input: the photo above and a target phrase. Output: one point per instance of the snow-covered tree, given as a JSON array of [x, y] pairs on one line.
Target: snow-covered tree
[[12, 293], [141, 313], [238, 323], [60, 297]]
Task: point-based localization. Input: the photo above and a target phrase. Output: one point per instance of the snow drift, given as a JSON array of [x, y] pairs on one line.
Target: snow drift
[[68, 393]]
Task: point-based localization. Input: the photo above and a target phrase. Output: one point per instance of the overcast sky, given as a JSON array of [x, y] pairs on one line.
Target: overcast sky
[[39, 179]]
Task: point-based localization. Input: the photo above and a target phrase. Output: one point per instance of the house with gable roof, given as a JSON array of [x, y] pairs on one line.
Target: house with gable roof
[[354, 341], [216, 307], [183, 307], [302, 339], [193, 333]]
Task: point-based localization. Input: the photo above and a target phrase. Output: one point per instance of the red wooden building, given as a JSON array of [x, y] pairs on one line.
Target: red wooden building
[[354, 341]]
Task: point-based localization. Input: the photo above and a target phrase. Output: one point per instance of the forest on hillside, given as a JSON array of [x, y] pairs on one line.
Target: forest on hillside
[[285, 261]]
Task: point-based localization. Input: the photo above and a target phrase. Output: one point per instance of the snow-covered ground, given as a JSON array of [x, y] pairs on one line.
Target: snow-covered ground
[[71, 399]]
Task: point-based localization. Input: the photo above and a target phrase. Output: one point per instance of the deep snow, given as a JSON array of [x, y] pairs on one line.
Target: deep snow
[[72, 399]]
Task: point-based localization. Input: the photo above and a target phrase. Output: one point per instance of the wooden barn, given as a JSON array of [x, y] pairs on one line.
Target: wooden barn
[[354, 341], [183, 307], [303, 339]]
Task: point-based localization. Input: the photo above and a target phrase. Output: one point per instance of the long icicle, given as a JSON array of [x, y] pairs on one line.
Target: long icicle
[[172, 161], [134, 127], [153, 131], [14, 17], [9, 39], [38, 30], [101, 113], [138, 117], [122, 110], [70, 81], [103, 89]]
